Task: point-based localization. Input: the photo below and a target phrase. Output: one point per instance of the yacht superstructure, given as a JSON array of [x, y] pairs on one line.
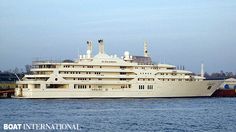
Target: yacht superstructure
[[108, 76]]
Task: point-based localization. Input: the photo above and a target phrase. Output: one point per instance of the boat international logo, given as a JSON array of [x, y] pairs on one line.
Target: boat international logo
[[41, 127]]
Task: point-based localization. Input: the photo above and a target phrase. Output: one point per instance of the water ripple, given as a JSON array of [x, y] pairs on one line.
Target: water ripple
[[188, 114]]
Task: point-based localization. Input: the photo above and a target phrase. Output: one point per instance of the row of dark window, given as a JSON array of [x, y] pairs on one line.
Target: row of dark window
[[65, 72], [179, 79], [82, 78], [68, 66], [121, 79], [148, 87], [78, 86], [146, 73], [174, 74], [126, 86], [145, 67], [60, 72], [145, 79], [141, 87], [45, 66]]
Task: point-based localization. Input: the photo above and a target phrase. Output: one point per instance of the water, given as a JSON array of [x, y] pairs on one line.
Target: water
[[175, 114]]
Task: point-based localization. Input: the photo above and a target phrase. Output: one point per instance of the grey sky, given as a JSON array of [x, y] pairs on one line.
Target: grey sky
[[179, 32]]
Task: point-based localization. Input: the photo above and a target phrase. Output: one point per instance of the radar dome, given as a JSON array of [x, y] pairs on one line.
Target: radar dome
[[126, 54]]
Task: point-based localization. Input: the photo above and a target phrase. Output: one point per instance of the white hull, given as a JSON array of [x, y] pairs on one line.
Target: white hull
[[160, 90]]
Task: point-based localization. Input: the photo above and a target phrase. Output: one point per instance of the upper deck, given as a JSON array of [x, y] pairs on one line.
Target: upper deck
[[103, 65]]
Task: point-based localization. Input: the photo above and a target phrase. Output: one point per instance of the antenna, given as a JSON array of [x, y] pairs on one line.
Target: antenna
[[145, 49], [78, 52], [202, 70]]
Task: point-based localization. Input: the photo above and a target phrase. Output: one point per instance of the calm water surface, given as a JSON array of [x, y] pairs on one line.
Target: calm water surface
[[175, 114]]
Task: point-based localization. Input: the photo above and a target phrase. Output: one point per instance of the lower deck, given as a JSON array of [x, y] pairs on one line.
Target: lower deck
[[158, 89]]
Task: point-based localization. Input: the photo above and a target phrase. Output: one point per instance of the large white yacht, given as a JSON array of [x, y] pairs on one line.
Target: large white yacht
[[108, 76]]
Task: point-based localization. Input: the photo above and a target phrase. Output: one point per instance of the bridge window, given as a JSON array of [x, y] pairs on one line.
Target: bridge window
[[36, 85], [141, 86], [150, 87], [57, 85], [78, 86], [122, 67], [25, 85]]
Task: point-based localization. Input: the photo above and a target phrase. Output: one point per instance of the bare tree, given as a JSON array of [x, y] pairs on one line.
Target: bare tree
[[16, 70], [27, 68]]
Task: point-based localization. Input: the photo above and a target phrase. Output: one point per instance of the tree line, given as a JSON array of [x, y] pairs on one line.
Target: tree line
[[220, 75]]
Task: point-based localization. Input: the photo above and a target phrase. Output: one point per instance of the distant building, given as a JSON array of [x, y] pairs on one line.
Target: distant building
[[227, 89], [7, 80], [229, 84]]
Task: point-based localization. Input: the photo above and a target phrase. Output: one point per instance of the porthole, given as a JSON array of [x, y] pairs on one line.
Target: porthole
[[209, 87], [56, 79]]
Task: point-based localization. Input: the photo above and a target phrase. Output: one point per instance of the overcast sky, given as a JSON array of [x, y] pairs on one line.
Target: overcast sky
[[179, 32]]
